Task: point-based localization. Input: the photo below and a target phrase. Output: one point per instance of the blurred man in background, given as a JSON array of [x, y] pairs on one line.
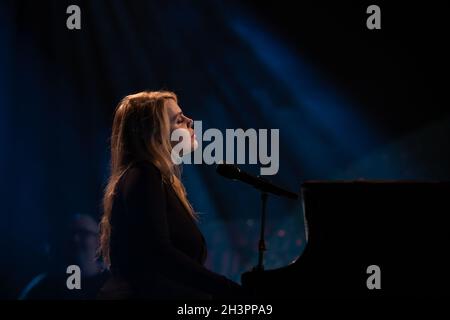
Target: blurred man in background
[[78, 246]]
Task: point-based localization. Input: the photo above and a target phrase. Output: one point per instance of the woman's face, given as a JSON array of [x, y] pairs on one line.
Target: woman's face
[[179, 121]]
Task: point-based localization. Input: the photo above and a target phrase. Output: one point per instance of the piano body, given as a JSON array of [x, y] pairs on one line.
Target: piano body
[[401, 227]]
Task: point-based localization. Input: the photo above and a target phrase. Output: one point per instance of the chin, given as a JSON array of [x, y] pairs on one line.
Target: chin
[[194, 145]]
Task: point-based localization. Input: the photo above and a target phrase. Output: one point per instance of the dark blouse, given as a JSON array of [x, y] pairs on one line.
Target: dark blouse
[[156, 245]]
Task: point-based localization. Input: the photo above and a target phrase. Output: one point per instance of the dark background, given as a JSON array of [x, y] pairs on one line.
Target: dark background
[[349, 102]]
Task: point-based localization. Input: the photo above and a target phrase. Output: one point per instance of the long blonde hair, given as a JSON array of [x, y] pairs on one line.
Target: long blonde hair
[[141, 131]]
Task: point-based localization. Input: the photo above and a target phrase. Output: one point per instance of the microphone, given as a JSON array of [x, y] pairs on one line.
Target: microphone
[[233, 172]]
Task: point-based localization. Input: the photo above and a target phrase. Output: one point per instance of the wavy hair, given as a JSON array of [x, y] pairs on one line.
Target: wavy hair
[[140, 131]]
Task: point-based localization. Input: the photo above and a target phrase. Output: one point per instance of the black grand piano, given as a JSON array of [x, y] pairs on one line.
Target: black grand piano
[[402, 228]]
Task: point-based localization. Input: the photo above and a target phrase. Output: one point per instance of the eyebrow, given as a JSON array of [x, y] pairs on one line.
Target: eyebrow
[[176, 115]]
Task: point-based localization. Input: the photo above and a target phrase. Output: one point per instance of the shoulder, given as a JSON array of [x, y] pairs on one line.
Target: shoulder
[[141, 175], [143, 168]]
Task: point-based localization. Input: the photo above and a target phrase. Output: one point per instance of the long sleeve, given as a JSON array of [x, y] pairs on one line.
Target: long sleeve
[[145, 200]]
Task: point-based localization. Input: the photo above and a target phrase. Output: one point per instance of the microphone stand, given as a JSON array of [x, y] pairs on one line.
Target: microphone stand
[[266, 187], [262, 242]]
